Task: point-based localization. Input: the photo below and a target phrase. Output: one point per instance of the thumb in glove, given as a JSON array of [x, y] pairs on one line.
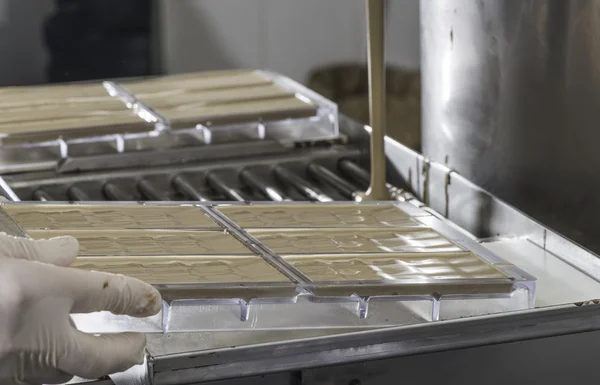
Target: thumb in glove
[[38, 342]]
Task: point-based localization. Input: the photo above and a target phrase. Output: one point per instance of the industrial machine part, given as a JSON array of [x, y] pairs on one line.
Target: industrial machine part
[[510, 95], [261, 170], [185, 154]]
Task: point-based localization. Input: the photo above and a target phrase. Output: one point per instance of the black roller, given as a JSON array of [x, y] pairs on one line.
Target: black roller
[[302, 185], [41, 195], [218, 184], [354, 171], [362, 176], [327, 176], [150, 192], [77, 194], [114, 193], [182, 185], [258, 183]]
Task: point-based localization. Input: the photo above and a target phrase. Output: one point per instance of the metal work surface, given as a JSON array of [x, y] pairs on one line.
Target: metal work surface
[[364, 346], [510, 95]]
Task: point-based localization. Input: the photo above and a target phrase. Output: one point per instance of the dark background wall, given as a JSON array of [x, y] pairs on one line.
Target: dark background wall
[[98, 39], [23, 56]]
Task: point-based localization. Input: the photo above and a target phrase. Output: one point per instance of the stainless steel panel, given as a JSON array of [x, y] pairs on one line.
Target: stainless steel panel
[[220, 178], [13, 160], [511, 363], [357, 347], [510, 100]]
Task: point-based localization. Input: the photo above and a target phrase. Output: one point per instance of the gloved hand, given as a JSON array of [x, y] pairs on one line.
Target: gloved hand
[[39, 343]]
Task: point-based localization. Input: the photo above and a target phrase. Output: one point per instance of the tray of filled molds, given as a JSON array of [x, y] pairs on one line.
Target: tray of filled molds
[[245, 104], [48, 127], [266, 266]]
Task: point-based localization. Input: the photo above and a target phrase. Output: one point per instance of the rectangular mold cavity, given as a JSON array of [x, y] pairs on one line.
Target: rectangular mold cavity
[[198, 276], [186, 269], [55, 217], [344, 241], [401, 274], [149, 242], [42, 113], [313, 216], [218, 98]]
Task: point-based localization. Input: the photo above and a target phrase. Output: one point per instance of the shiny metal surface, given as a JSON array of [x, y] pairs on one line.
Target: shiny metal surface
[[114, 193], [356, 347], [41, 195], [303, 186], [33, 159], [230, 178], [76, 194], [204, 153], [510, 99], [150, 191], [325, 175], [258, 183], [183, 186], [217, 183]]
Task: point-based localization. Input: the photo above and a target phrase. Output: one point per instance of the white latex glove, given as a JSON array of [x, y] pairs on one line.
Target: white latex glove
[[39, 343]]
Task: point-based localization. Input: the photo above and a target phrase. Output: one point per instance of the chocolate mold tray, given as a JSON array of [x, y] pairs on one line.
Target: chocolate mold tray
[[224, 266], [257, 103], [174, 112]]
